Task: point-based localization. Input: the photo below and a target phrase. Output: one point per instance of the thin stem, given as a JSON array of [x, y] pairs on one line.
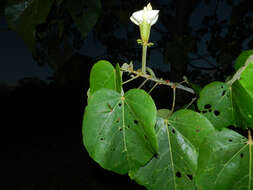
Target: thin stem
[[153, 88], [174, 101], [160, 81], [144, 55], [193, 100], [142, 84], [129, 80]]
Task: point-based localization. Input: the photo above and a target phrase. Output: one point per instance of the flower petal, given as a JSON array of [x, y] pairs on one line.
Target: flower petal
[[152, 15], [136, 17], [147, 14], [154, 20]]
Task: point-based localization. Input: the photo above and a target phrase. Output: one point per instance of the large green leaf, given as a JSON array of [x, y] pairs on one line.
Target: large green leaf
[[176, 163], [118, 131], [85, 13], [23, 17], [104, 75], [215, 102], [225, 162], [242, 90]]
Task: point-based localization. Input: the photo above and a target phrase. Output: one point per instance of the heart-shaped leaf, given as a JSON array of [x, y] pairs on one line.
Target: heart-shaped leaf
[[242, 90], [118, 131], [104, 75], [176, 163], [225, 162], [215, 102]]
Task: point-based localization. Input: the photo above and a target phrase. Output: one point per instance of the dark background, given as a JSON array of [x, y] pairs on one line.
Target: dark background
[[42, 98]]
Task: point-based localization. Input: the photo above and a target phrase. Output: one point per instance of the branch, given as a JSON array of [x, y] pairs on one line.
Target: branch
[[127, 68]]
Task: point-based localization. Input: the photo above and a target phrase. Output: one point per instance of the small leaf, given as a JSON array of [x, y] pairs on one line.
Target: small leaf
[[225, 162], [163, 113], [215, 102], [118, 131], [175, 165], [103, 75]]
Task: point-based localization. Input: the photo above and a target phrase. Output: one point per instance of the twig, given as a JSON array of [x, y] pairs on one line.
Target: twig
[[174, 100], [142, 84], [153, 88], [129, 80], [159, 81], [193, 100]]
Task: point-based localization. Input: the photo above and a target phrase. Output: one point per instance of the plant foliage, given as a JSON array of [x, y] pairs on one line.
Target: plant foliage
[[182, 150]]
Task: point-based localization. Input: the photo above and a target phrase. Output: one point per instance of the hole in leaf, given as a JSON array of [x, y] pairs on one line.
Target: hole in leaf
[[156, 156], [222, 87], [110, 107], [173, 131], [223, 92], [120, 104], [117, 121], [230, 140], [102, 139], [128, 126], [178, 174], [216, 112], [207, 106], [189, 176], [241, 155], [136, 122], [120, 129]]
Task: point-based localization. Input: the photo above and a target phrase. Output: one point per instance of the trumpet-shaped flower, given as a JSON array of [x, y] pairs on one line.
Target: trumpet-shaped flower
[[145, 19], [147, 14]]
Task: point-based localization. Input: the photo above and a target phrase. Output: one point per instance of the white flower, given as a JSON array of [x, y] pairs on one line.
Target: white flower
[[147, 14]]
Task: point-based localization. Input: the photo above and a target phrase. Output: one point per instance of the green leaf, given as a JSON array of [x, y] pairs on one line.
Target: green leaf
[[242, 58], [24, 16], [225, 162], [176, 163], [215, 102], [163, 113], [104, 75], [242, 90], [118, 79], [85, 13], [192, 125], [118, 131]]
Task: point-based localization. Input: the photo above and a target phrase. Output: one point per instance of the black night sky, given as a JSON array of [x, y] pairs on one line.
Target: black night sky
[[42, 110]]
